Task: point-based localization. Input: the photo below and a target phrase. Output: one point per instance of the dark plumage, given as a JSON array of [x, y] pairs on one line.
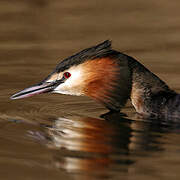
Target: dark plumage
[[99, 51]]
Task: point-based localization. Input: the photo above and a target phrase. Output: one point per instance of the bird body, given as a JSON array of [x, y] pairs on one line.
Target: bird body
[[111, 78]]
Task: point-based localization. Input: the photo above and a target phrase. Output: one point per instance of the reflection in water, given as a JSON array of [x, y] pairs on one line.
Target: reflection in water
[[104, 147], [92, 144]]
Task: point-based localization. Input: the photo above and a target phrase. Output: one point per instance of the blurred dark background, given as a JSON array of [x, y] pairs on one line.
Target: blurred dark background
[[35, 35]]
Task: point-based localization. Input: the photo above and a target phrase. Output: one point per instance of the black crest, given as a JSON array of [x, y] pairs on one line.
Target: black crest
[[98, 51]]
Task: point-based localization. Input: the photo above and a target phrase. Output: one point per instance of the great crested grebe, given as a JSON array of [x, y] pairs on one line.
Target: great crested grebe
[[111, 78]]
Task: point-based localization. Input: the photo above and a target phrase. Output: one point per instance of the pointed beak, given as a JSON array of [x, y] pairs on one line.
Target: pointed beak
[[43, 87]]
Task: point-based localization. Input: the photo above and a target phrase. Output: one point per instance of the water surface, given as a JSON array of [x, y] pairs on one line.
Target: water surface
[[54, 136]]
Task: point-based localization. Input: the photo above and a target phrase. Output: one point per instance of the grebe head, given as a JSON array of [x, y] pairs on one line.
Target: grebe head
[[95, 72]]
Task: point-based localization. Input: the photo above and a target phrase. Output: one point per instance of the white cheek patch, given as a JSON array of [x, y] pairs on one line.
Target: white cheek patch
[[73, 85]]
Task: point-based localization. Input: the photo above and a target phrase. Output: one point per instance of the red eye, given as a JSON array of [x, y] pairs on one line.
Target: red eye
[[67, 75]]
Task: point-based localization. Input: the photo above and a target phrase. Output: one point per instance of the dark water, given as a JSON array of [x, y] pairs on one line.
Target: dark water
[[62, 137]]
